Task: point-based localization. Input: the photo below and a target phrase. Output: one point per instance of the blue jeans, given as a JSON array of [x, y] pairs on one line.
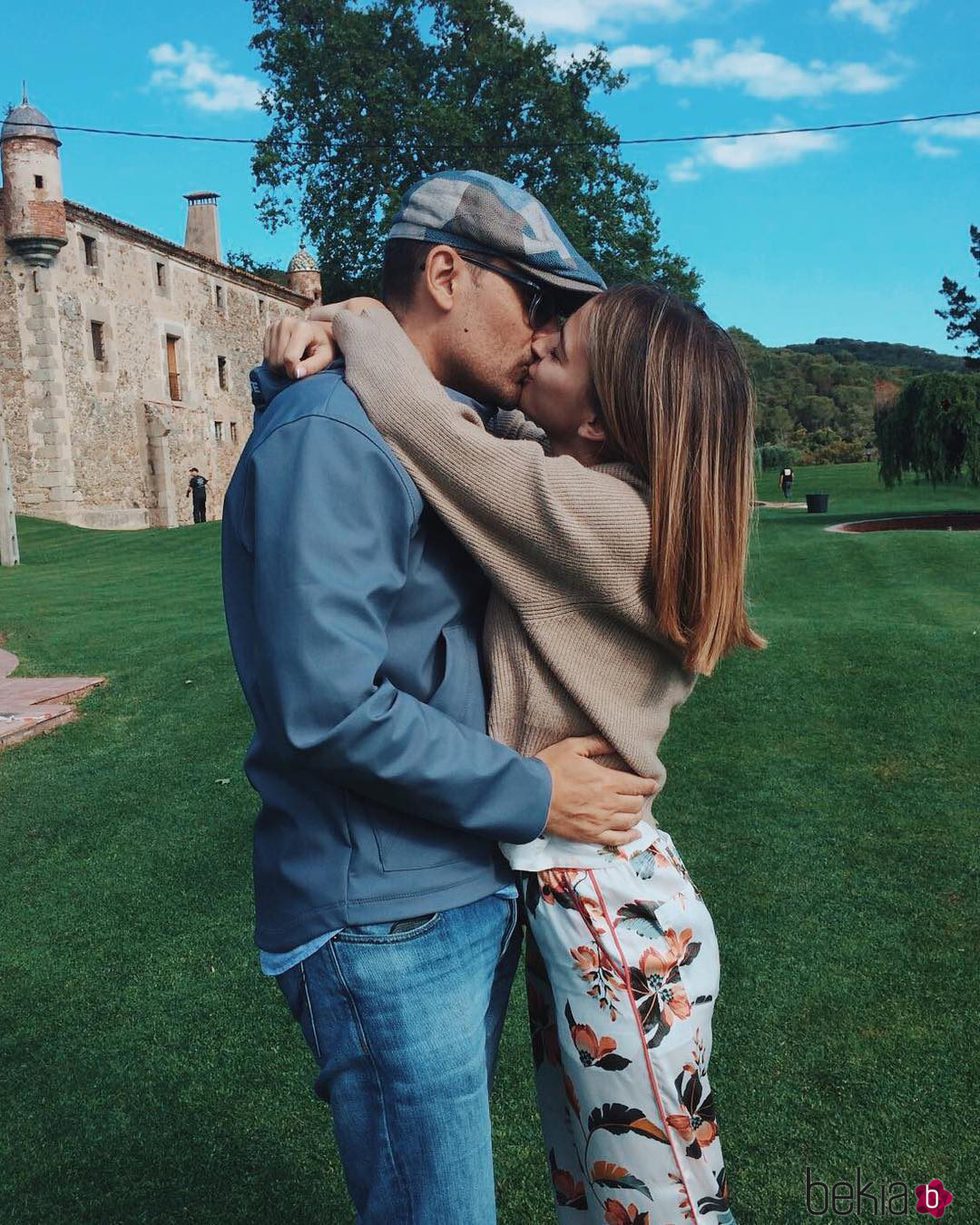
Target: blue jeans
[[405, 1027]]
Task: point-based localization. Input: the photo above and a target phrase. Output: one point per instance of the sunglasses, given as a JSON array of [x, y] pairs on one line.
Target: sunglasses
[[542, 303]]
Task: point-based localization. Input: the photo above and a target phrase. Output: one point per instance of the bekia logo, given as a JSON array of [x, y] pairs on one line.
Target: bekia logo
[[932, 1198], [860, 1197]]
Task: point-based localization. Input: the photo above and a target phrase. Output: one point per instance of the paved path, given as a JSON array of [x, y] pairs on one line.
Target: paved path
[[33, 704]]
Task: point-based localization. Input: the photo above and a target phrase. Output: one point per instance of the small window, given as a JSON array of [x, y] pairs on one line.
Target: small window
[[261, 308], [219, 297], [223, 373], [219, 431], [98, 341], [91, 251], [233, 429], [161, 276], [173, 366], [39, 180]]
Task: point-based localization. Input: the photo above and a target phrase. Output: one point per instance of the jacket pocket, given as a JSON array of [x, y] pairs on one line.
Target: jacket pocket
[[412, 844], [459, 692]]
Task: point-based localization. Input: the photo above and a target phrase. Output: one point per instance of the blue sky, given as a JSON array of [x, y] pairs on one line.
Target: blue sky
[[846, 234]]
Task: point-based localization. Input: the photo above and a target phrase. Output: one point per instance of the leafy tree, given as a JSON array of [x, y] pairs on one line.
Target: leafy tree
[[962, 314], [881, 353], [933, 429], [368, 98], [247, 263]]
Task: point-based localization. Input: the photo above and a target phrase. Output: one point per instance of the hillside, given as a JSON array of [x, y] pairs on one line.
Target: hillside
[[883, 353], [820, 399]]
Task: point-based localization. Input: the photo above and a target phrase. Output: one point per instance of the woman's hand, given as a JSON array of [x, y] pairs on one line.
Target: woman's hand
[[300, 347]]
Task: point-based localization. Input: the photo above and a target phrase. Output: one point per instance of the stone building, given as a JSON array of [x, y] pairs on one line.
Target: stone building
[[124, 358]]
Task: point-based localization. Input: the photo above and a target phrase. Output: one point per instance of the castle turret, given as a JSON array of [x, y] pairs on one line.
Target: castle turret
[[33, 200], [201, 235], [303, 276]]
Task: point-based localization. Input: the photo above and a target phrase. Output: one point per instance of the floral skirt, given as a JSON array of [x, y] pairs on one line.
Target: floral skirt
[[622, 974]]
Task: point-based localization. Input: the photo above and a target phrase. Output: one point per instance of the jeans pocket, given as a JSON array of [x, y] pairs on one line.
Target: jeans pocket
[[295, 988], [389, 933]]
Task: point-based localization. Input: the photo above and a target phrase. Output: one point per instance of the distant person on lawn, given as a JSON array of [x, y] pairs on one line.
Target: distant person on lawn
[[786, 482], [385, 908], [197, 491]]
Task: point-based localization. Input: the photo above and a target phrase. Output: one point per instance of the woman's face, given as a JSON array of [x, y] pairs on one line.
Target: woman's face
[[557, 393]]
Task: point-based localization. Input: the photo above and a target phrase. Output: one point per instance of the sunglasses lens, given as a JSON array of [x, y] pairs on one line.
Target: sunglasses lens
[[544, 308]]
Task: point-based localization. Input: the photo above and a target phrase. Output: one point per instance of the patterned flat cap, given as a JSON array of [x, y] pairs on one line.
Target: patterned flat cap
[[480, 213]]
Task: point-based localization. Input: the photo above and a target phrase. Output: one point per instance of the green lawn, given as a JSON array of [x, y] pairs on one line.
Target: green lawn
[[824, 795]]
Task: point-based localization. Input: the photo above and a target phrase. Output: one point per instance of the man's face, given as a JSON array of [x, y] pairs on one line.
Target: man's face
[[557, 393], [492, 335]]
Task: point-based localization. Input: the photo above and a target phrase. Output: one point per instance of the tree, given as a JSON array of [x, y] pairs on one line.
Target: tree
[[932, 429], [367, 99], [248, 263], [963, 315]]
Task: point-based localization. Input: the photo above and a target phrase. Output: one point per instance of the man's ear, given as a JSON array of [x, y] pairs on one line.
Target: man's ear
[[441, 272], [592, 430]]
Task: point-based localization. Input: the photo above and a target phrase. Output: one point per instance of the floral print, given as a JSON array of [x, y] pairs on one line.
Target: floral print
[[622, 976]]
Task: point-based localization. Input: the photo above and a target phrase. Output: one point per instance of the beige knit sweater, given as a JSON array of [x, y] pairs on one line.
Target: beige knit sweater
[[570, 641]]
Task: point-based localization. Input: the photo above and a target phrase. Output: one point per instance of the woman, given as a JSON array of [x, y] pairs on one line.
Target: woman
[[617, 565]]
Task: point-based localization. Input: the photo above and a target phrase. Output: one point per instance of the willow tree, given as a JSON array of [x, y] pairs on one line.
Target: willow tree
[[933, 430], [366, 98]]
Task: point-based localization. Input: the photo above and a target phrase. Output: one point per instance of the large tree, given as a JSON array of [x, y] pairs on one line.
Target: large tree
[[366, 98], [932, 429], [962, 314]]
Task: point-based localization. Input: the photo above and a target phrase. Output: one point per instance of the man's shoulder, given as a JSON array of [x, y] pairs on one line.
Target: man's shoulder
[[347, 429]]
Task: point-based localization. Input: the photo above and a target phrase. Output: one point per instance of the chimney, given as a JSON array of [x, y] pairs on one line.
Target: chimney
[[201, 235]]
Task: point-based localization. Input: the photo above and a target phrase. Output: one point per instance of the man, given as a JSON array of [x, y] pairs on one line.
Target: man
[[197, 491], [383, 906]]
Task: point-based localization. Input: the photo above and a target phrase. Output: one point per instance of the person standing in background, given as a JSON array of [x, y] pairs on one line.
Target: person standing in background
[[197, 491]]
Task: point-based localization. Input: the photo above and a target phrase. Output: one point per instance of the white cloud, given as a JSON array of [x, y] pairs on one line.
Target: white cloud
[[580, 16], [631, 56], [752, 153], [880, 15], [762, 74], [967, 128], [926, 148], [198, 74]]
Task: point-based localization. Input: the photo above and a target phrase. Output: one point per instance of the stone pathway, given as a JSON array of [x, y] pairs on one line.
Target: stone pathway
[[33, 704]]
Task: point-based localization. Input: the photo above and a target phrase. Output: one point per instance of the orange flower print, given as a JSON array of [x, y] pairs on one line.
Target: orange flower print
[[604, 980], [696, 1124], [621, 1214], [594, 1052], [569, 1193], [586, 958], [657, 987], [652, 961]]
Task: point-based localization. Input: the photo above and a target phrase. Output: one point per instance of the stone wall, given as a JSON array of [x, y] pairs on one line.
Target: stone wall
[[102, 443]]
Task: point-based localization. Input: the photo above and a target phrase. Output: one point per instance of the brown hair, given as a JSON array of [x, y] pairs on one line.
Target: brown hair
[[676, 402]]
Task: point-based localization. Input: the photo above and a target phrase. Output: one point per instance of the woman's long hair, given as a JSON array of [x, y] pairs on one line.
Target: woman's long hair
[[676, 402]]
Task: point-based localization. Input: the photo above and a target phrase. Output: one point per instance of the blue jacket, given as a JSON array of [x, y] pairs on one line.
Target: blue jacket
[[355, 618]]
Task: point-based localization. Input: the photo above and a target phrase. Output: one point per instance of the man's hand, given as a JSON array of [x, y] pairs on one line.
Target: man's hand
[[589, 802]]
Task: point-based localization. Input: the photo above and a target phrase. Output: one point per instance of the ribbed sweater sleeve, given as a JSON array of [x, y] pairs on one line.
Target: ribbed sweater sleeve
[[543, 528]]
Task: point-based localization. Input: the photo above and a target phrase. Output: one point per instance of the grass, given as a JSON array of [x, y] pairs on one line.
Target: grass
[[824, 795]]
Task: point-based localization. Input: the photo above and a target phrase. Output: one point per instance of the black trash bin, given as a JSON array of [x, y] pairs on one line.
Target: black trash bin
[[817, 503]]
